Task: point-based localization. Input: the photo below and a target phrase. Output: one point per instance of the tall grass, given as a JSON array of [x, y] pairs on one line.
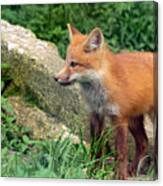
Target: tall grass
[[54, 159]]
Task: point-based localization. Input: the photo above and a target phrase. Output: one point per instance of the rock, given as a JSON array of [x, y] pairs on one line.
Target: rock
[[33, 64], [42, 125], [149, 129]]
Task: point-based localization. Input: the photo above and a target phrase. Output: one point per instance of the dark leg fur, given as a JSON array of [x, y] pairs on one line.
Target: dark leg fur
[[121, 128], [136, 126], [96, 126]]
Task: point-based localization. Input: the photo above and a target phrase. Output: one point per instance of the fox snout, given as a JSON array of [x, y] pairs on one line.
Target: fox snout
[[62, 79]]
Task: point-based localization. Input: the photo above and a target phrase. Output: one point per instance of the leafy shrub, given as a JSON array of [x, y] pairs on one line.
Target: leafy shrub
[[13, 136], [129, 25]]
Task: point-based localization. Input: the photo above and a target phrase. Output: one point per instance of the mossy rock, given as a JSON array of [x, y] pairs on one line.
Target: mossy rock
[[33, 64]]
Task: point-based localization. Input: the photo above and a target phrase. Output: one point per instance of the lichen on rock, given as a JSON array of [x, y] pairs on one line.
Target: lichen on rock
[[41, 124], [33, 64]]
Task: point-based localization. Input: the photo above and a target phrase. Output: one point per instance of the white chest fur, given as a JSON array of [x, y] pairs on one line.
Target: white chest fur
[[97, 99]]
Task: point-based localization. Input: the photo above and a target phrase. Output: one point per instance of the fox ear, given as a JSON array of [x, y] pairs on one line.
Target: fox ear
[[72, 31], [95, 40]]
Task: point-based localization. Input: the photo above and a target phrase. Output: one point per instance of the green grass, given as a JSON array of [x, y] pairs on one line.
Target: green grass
[[24, 157], [52, 159]]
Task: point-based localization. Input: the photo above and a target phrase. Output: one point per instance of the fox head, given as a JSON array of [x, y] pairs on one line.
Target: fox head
[[83, 58]]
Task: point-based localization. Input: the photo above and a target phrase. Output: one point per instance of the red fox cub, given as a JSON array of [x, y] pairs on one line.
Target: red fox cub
[[120, 86]]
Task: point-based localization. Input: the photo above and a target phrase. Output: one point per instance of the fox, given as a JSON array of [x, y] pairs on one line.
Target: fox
[[119, 86]]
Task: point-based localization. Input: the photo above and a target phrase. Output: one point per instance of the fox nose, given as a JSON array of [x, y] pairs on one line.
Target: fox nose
[[55, 78]]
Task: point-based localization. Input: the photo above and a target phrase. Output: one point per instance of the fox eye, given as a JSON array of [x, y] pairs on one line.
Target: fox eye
[[73, 64]]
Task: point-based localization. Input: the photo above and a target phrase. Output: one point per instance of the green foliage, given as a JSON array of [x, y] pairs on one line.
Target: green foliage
[[13, 135], [52, 159], [24, 157], [128, 26]]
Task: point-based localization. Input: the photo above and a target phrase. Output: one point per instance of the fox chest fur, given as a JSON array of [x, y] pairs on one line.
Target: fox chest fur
[[97, 99]]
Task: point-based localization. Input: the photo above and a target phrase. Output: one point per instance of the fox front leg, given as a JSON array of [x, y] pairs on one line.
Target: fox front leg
[[96, 128], [121, 145]]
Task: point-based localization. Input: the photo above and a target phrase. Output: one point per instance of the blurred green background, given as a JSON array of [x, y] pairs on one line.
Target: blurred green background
[[128, 26]]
